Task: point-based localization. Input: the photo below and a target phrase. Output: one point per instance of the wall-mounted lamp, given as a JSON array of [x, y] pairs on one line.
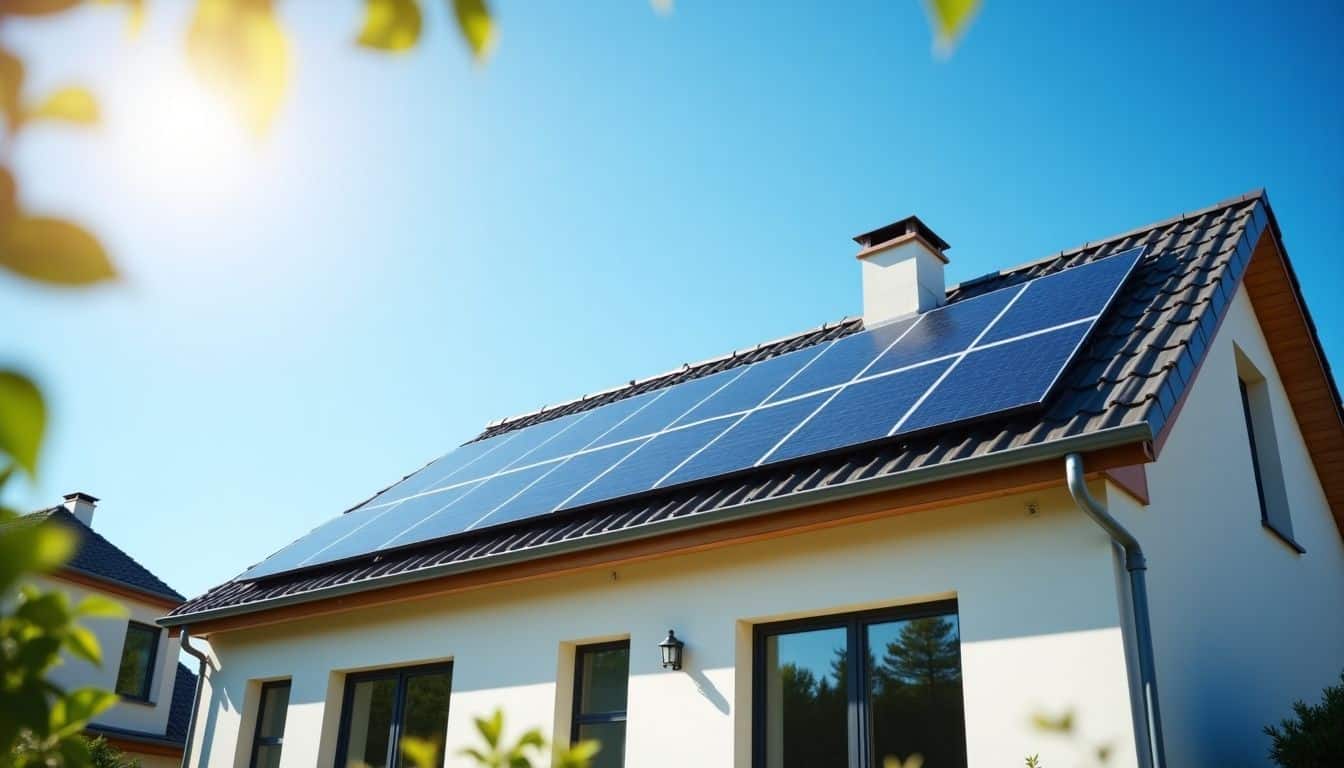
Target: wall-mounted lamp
[[671, 648]]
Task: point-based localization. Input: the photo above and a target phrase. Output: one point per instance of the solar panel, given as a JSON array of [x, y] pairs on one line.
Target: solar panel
[[988, 355]]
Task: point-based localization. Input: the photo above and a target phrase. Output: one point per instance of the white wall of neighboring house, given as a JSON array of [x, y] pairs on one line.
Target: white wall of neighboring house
[[1242, 624], [111, 634], [1039, 633]]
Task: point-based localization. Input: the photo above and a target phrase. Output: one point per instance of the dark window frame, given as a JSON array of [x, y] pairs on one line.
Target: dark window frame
[[259, 741], [147, 687], [854, 623], [577, 718], [401, 675]]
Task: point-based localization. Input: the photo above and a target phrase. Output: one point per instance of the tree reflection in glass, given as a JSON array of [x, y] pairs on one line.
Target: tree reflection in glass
[[806, 681], [914, 691]]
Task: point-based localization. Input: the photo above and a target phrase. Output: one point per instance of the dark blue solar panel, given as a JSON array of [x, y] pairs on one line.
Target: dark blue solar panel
[[674, 402], [558, 485], [442, 471], [657, 457], [472, 506], [860, 412], [864, 387], [1064, 297], [844, 359], [754, 385], [741, 446], [944, 331], [598, 422], [1021, 373]]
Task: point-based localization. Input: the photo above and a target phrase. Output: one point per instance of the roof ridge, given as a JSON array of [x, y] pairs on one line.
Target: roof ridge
[[64, 516]]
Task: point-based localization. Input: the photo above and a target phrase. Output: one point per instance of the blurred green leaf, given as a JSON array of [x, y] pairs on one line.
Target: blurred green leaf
[[491, 727], [577, 755], [53, 251], [70, 713], [36, 7], [419, 752], [32, 548], [97, 606], [391, 25], [23, 419], [1053, 723], [48, 610], [239, 49], [84, 644], [70, 105], [950, 19], [476, 25]]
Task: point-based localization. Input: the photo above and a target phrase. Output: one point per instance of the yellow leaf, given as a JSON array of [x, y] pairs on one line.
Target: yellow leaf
[[53, 251], [84, 644], [23, 419], [390, 25], [11, 84], [72, 105], [476, 25], [99, 607], [35, 7], [950, 19], [9, 197], [238, 48]]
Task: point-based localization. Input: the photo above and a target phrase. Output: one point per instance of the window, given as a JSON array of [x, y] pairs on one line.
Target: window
[[136, 672], [382, 708], [1270, 489], [270, 731], [849, 691], [601, 676]]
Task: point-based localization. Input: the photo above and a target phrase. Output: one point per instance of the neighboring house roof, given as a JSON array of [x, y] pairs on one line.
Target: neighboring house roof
[[179, 719], [97, 557], [1124, 387]]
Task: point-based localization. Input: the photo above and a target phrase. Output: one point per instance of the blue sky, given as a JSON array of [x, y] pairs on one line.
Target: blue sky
[[421, 245]]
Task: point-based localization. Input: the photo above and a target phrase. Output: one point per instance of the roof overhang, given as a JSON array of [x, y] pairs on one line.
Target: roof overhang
[[953, 482]]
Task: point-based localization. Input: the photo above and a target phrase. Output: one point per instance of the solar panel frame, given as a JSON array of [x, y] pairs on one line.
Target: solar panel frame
[[525, 465]]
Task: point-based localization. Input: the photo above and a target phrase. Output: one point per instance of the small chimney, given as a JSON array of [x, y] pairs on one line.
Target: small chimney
[[81, 505], [902, 270]]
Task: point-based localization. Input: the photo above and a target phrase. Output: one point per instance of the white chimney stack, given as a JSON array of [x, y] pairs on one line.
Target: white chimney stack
[[902, 270], [81, 505]]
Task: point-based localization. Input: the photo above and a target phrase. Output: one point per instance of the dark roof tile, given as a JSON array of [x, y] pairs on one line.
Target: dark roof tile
[[100, 558]]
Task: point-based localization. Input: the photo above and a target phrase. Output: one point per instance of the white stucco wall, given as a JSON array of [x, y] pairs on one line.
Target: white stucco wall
[[1039, 632], [111, 633], [1242, 624]]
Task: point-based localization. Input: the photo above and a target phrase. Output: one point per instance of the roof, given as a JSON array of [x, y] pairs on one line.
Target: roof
[[1124, 386], [97, 557], [179, 716]]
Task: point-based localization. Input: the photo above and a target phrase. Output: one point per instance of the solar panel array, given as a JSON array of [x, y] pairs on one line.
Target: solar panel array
[[987, 355]]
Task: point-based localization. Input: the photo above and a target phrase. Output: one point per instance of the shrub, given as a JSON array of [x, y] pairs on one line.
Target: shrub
[[1314, 738]]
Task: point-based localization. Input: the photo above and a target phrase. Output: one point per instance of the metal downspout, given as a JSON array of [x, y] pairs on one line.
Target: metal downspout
[[200, 656], [1137, 566]]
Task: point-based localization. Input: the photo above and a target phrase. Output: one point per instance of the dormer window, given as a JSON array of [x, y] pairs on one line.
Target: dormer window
[[136, 672]]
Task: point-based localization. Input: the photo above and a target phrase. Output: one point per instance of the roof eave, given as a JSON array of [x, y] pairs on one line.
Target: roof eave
[[1114, 437]]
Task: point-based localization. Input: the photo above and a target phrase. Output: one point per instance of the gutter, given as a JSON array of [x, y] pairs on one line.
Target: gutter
[[1142, 641], [204, 660], [1113, 437]]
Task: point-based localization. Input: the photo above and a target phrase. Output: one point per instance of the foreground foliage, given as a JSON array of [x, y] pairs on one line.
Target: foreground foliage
[[1314, 736]]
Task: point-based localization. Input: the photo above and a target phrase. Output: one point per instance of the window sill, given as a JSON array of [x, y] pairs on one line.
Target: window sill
[[1285, 538], [135, 700]]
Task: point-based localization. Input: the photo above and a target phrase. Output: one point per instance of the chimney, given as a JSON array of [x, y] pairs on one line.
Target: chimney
[[902, 270], [81, 505]]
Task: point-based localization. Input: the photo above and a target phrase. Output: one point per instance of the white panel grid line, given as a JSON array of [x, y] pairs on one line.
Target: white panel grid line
[[563, 460], [733, 420], [734, 414], [603, 473], [750, 411], [841, 388], [962, 356]]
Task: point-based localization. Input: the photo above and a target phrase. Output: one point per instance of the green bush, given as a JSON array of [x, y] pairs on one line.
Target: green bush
[[1314, 738]]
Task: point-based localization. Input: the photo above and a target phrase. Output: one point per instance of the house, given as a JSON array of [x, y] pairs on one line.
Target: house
[[1108, 483], [150, 721]]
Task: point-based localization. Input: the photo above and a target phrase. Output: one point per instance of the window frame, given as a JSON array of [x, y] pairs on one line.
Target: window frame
[[259, 741], [854, 623], [147, 688], [1266, 461], [401, 675], [577, 718]]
